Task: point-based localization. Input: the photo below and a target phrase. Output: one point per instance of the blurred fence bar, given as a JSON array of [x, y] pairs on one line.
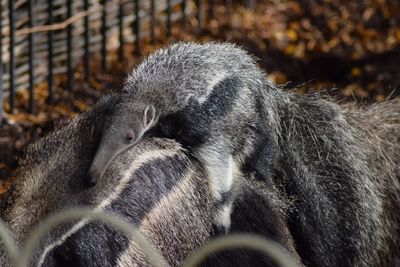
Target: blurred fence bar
[[169, 22], [12, 55], [212, 9], [31, 61], [62, 33], [249, 4], [104, 35], [50, 41], [69, 48], [86, 45], [228, 7], [199, 15], [137, 28], [121, 32], [183, 8], [153, 22], [1, 65]]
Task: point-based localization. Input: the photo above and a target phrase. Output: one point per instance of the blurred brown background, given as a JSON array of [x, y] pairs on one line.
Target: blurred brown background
[[350, 48]]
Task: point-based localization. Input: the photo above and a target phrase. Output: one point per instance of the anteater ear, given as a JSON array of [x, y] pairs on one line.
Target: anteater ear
[[149, 116]]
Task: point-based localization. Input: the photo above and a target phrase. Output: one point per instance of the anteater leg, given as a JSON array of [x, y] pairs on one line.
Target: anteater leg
[[221, 172]]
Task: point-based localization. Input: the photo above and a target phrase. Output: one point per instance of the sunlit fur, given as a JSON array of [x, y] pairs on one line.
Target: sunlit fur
[[340, 166], [154, 185], [331, 173], [205, 97]]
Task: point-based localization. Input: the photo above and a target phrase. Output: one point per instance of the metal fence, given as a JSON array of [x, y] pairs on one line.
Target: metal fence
[[22, 258], [43, 38]]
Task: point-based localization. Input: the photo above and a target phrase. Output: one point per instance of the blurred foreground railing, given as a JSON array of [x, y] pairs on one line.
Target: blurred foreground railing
[[21, 258]]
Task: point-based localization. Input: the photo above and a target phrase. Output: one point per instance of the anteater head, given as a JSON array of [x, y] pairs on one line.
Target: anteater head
[[123, 128], [154, 185]]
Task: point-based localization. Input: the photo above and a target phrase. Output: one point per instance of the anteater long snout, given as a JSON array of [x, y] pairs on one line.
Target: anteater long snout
[[104, 155]]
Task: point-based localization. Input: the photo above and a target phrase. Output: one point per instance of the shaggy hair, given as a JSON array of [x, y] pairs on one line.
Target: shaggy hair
[[326, 176], [338, 164], [204, 96], [154, 185]]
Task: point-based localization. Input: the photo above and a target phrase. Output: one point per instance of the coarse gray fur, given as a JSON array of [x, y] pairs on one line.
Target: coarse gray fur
[[337, 164], [50, 179], [332, 196], [205, 97], [331, 160], [332, 171], [323, 219], [163, 192], [340, 166]]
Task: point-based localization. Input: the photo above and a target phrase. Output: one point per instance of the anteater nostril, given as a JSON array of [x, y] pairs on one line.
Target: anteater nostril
[[92, 178]]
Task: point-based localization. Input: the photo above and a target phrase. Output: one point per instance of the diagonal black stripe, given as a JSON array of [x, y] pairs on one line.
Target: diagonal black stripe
[[191, 126], [97, 244]]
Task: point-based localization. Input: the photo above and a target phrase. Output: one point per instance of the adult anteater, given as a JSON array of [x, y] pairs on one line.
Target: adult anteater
[[154, 185], [333, 161], [339, 166], [334, 169]]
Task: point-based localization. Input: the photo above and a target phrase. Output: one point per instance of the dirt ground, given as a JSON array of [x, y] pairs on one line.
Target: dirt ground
[[351, 48]]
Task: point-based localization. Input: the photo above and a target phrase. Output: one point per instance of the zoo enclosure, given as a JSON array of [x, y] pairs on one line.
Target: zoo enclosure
[[40, 39], [43, 38]]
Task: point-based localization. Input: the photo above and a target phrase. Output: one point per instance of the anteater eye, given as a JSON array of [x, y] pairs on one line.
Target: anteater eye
[[129, 137]]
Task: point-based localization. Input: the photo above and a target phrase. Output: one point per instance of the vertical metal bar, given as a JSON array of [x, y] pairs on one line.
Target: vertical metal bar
[[169, 22], [184, 19], [69, 47], [228, 9], [50, 39], [31, 60], [228, 5], [121, 31], [12, 55], [249, 4], [1, 63], [153, 21], [86, 45], [137, 29], [212, 9], [104, 36], [199, 15]]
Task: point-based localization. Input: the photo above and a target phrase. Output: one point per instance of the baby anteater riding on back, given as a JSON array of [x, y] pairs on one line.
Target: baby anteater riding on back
[[203, 95]]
